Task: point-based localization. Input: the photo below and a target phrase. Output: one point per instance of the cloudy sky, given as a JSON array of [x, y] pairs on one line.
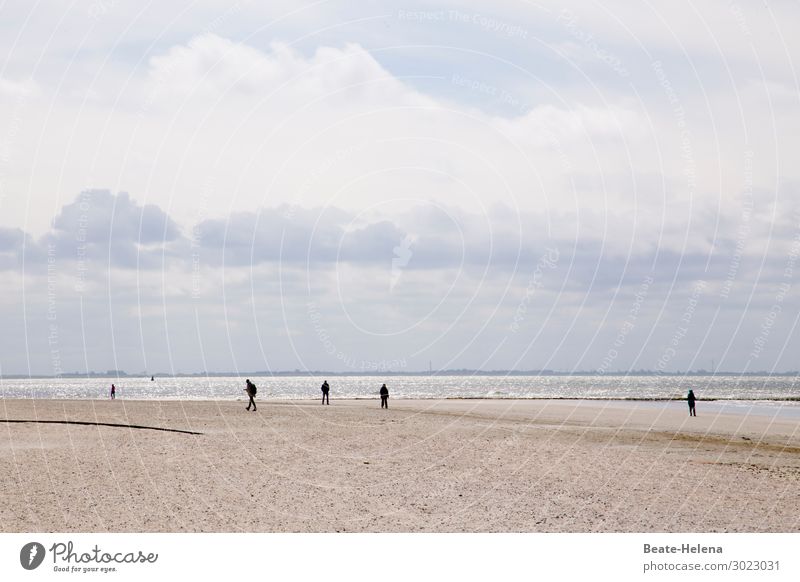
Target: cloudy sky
[[354, 186]]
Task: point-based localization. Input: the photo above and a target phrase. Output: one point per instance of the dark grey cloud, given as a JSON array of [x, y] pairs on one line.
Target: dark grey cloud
[[380, 272], [13, 243], [277, 234], [114, 230], [597, 252], [103, 218], [100, 230], [423, 238]]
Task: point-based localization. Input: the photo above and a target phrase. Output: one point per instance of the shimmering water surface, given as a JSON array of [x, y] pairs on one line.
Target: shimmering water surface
[[784, 389]]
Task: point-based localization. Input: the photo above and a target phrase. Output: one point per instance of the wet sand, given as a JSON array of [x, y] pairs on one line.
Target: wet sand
[[422, 465]]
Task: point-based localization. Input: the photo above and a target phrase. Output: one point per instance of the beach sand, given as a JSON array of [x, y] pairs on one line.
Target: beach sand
[[424, 465]]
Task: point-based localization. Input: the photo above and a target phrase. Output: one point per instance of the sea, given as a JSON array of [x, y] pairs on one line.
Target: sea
[[775, 389]]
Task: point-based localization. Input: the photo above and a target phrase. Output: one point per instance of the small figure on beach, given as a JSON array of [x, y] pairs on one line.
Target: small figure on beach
[[152, 378], [691, 400], [325, 389], [113, 392], [251, 390], [384, 396]]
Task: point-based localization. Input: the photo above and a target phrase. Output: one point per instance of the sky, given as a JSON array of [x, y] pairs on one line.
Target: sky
[[371, 186]]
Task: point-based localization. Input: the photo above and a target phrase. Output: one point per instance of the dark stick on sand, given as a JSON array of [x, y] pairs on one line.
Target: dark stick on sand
[[87, 423]]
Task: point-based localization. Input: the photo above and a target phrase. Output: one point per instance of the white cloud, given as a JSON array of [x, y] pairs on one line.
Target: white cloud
[[215, 68], [18, 89], [257, 124], [546, 125]]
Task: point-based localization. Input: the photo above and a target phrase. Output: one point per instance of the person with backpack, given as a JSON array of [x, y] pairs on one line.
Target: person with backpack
[[251, 390], [325, 389], [384, 397]]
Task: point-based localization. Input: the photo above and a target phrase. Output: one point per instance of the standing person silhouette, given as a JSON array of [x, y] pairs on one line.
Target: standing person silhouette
[[384, 396], [250, 388], [113, 392], [691, 400], [325, 388]]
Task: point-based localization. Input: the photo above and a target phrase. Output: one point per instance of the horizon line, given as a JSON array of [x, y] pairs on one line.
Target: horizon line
[[445, 372]]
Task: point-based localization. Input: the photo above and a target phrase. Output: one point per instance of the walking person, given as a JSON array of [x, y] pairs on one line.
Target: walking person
[[251, 390], [113, 392], [325, 389], [384, 396], [691, 400]]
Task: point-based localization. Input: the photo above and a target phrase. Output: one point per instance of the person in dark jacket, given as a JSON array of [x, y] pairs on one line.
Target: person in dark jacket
[[384, 396], [325, 389], [691, 400], [250, 388]]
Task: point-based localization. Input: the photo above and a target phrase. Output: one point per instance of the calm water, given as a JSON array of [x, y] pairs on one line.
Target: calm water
[[752, 388]]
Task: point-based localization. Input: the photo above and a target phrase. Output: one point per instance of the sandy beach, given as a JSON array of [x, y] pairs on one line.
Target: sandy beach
[[422, 465]]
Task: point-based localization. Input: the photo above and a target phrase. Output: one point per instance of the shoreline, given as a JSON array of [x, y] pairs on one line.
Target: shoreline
[[789, 400], [784, 408], [528, 388], [398, 373]]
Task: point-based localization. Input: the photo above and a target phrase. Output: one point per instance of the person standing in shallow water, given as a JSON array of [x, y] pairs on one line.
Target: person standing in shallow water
[[325, 389], [384, 396], [250, 388], [691, 400], [113, 392]]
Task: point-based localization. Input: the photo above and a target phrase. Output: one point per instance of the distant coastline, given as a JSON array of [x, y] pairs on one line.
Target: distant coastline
[[378, 374]]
